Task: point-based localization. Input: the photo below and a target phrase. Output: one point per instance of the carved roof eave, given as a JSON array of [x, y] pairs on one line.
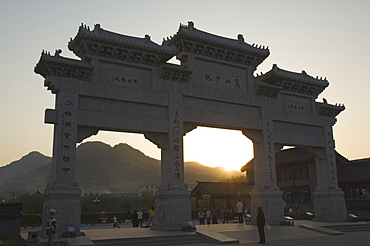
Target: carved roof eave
[[115, 40], [53, 65], [267, 90], [190, 33], [279, 77], [329, 110], [175, 72]]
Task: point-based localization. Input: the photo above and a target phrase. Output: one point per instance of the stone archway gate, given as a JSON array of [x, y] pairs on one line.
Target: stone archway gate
[[123, 83]]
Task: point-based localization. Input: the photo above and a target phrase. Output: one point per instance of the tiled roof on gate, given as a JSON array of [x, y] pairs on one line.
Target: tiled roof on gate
[[191, 33], [116, 40], [295, 82]]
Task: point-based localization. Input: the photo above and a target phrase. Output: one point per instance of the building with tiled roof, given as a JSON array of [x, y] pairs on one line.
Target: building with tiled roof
[[296, 176], [221, 194]]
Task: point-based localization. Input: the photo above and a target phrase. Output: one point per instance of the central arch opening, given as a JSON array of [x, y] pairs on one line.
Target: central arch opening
[[217, 147]]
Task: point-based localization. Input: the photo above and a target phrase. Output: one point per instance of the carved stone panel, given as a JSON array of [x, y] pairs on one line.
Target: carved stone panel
[[122, 115], [297, 134]]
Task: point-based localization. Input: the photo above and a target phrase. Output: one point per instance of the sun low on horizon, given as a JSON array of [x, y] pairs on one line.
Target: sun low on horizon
[[211, 147]]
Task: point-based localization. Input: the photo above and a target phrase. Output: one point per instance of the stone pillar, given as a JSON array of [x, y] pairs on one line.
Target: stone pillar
[[265, 192], [63, 193], [329, 203], [172, 204]]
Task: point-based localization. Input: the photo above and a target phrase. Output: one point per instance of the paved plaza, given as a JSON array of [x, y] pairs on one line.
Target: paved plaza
[[246, 234]]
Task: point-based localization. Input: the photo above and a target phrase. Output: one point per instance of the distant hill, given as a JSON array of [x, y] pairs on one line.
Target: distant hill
[[26, 164], [101, 168]]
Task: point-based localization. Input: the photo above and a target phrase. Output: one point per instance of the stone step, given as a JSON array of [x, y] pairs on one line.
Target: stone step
[[350, 227], [160, 240]]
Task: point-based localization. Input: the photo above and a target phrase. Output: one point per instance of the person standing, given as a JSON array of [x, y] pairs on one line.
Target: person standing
[[151, 217], [214, 216], [261, 222], [140, 218], [51, 226], [201, 215], [208, 216], [239, 211], [135, 220], [115, 224]]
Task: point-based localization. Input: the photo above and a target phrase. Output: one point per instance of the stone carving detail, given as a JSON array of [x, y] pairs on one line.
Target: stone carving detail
[[159, 139], [179, 213], [66, 215], [85, 132], [267, 91], [294, 133], [175, 73], [161, 214]]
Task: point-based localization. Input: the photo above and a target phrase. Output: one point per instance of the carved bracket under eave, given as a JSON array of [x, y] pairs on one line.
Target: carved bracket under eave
[[254, 135], [84, 132], [187, 127], [159, 139], [317, 152]]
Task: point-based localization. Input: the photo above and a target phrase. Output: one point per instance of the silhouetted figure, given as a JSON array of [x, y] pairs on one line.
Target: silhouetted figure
[[261, 222], [135, 219]]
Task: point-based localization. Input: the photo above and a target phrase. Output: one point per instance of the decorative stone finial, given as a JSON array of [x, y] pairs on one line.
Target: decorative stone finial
[[57, 52], [96, 26], [190, 24], [240, 38]]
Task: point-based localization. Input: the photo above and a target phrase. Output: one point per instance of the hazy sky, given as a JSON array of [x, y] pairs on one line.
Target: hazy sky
[[325, 38]]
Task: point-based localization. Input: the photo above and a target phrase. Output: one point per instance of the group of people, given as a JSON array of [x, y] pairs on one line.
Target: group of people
[[209, 216], [136, 218], [224, 213]]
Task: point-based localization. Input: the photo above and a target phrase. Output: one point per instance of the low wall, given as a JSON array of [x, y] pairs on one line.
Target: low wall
[[10, 219], [359, 207]]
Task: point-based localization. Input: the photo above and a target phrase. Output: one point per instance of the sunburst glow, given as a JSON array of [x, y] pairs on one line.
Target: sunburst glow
[[213, 147]]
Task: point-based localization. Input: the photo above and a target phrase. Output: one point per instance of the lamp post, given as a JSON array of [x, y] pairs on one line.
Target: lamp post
[[206, 197], [96, 201]]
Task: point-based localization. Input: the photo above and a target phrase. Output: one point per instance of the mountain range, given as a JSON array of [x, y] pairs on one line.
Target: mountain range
[[100, 168]]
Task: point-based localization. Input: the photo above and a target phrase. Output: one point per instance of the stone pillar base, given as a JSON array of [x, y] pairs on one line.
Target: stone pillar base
[[68, 206], [329, 205], [172, 210], [272, 205]]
